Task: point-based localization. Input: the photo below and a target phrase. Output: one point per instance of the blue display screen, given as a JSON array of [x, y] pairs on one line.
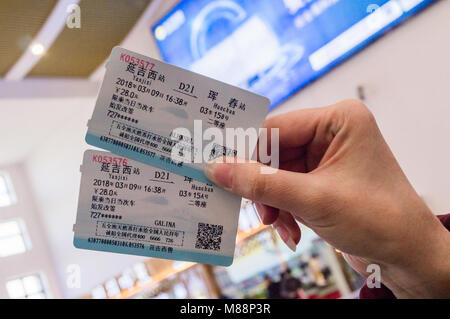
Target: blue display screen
[[273, 47]]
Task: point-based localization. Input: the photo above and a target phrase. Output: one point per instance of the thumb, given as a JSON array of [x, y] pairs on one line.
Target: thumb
[[274, 187]]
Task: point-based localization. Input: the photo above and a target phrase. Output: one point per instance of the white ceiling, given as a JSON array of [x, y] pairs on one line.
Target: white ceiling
[[31, 110]]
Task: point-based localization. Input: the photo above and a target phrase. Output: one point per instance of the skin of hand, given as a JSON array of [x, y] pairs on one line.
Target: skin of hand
[[338, 176]]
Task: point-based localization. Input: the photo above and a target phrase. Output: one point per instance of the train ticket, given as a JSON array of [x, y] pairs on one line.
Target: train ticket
[[129, 207], [171, 118]]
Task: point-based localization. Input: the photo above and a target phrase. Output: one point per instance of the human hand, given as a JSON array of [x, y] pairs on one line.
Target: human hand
[[338, 176]]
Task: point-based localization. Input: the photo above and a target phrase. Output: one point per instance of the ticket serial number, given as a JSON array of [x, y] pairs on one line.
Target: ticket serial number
[[136, 61]]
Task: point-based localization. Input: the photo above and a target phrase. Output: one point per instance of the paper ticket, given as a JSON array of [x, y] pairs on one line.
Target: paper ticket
[[128, 207], [143, 101]]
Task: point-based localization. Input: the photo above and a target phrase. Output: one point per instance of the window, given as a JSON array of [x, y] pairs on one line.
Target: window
[[98, 292], [7, 196], [141, 273], [28, 287], [112, 288], [12, 238], [126, 281]]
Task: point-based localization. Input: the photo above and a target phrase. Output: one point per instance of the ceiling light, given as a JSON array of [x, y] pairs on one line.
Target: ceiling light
[[37, 49], [160, 33]]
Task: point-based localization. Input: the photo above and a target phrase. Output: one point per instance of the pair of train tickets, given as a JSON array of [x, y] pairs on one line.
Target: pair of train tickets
[[135, 198]]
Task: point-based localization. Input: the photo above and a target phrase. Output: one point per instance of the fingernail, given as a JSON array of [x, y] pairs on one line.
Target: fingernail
[[286, 237], [220, 174], [290, 243]]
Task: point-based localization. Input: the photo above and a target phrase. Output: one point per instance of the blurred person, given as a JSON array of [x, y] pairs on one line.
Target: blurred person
[[290, 285], [272, 288], [316, 270], [338, 177], [304, 277]]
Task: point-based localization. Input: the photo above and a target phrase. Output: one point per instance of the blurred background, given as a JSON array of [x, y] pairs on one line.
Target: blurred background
[[391, 54]]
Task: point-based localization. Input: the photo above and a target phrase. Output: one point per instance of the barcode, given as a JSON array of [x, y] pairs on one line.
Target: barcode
[[209, 236]]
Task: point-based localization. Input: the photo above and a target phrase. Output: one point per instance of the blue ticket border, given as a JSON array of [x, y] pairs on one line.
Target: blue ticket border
[[184, 170], [176, 254]]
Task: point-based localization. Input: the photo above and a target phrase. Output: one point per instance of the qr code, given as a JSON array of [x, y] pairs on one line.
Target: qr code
[[209, 236]]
